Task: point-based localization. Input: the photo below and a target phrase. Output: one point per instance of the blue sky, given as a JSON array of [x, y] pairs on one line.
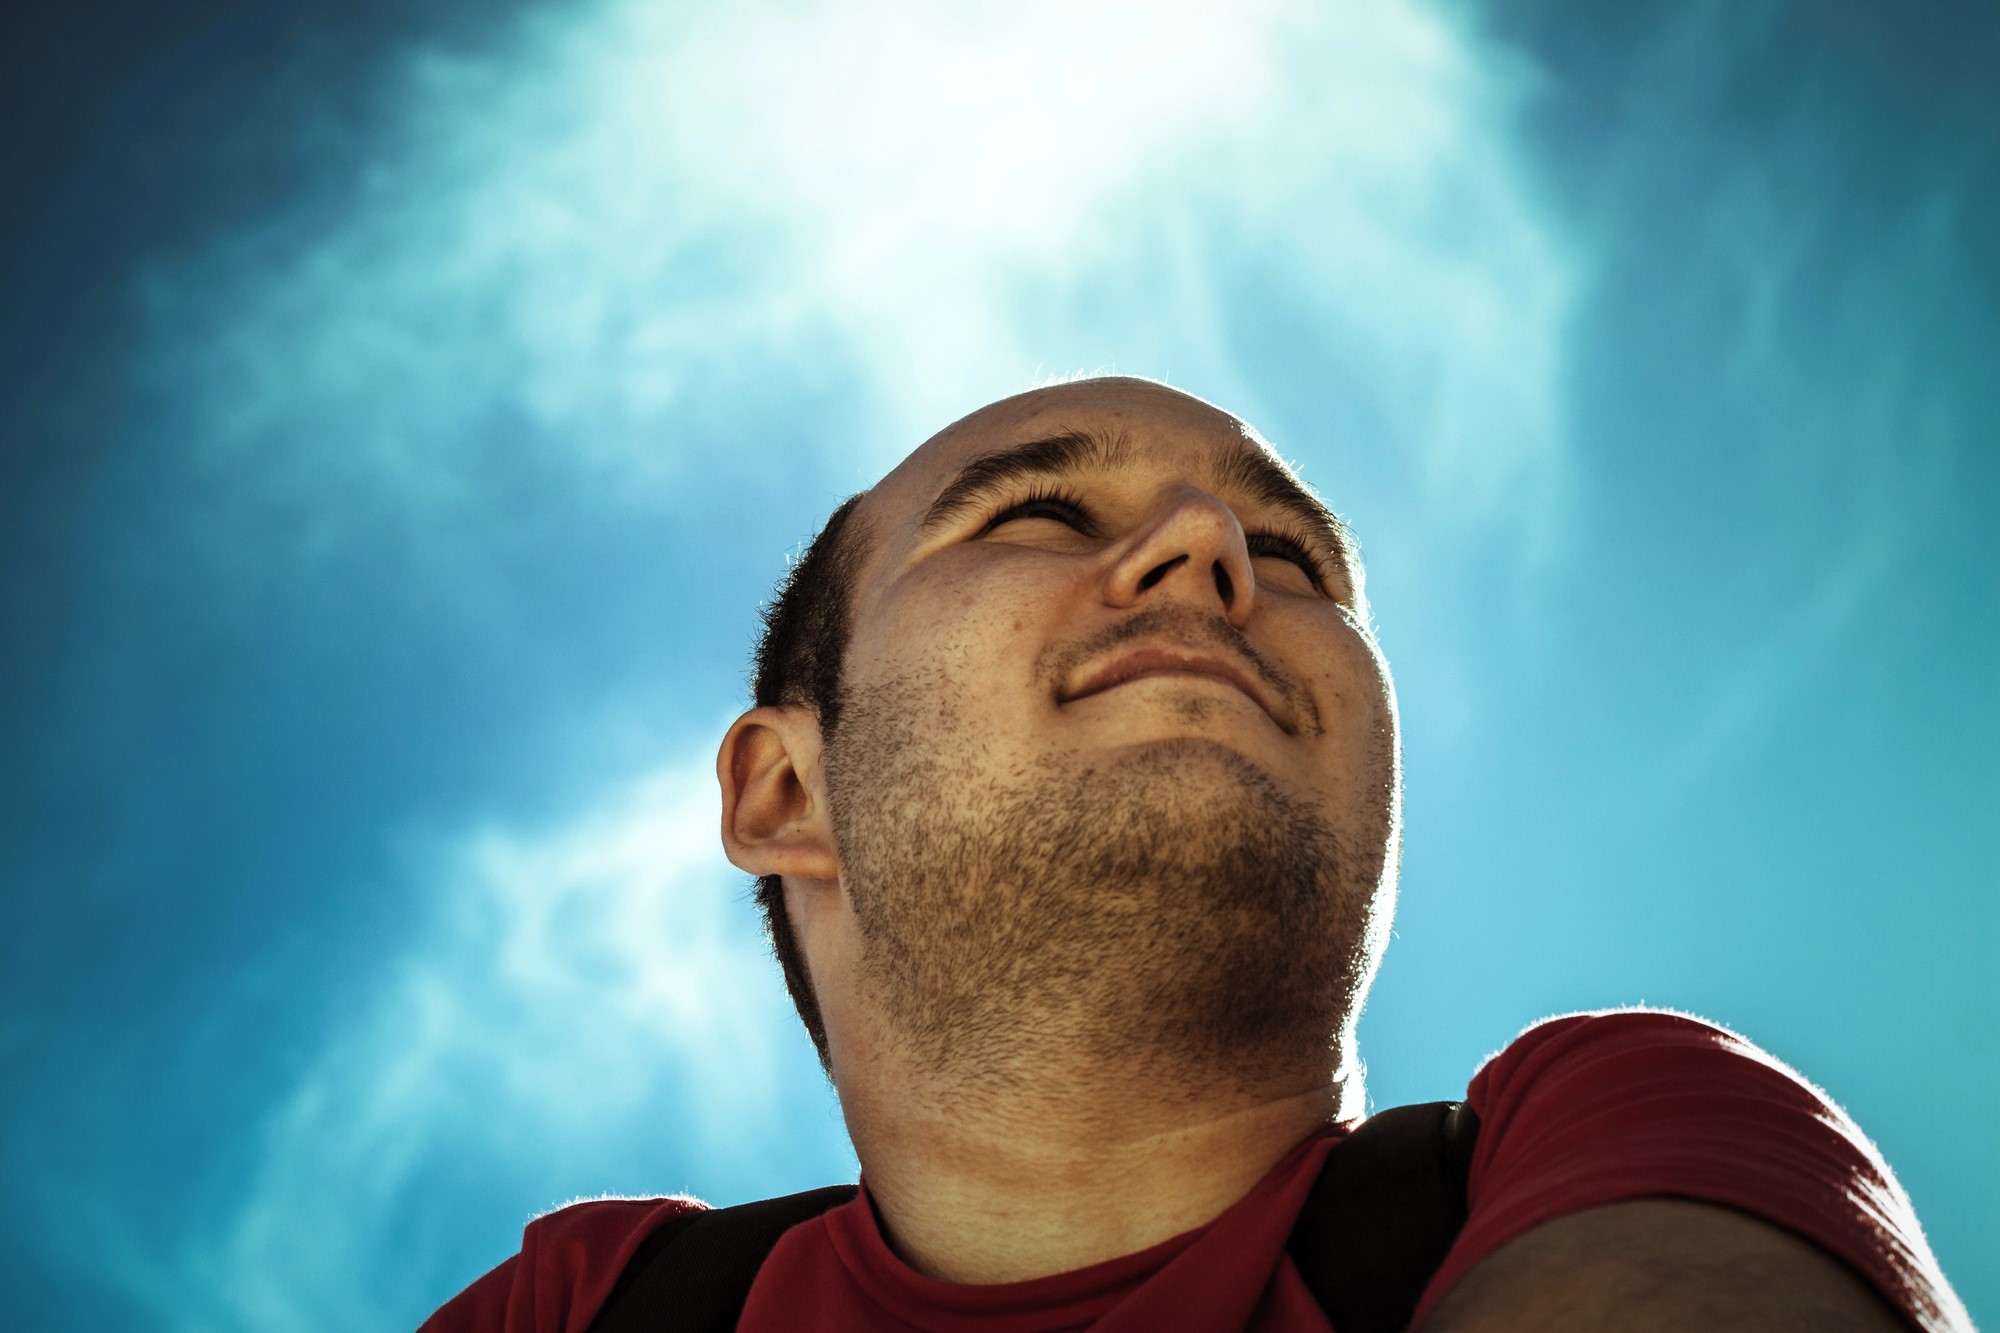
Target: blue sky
[[407, 409]]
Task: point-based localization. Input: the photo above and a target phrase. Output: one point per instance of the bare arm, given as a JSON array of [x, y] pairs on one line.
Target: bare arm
[[1661, 1266]]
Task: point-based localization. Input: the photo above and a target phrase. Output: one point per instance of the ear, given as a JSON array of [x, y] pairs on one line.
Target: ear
[[774, 816]]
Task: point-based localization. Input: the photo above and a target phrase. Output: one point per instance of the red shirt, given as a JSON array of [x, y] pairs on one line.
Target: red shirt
[[1576, 1112]]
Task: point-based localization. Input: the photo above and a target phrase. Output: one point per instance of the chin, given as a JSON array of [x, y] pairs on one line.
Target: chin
[[1187, 758]]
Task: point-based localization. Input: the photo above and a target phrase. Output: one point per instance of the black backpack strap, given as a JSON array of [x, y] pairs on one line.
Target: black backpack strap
[[1386, 1208], [693, 1274]]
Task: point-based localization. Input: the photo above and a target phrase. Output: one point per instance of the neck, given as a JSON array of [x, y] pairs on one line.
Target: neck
[[1002, 1183]]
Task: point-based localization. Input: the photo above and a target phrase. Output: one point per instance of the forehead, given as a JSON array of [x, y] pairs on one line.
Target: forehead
[[1162, 428]]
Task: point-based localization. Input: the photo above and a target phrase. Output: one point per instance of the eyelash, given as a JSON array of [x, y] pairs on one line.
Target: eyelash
[[1283, 545]]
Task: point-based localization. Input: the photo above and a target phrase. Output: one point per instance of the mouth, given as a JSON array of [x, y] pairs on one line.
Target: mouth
[[1163, 662]]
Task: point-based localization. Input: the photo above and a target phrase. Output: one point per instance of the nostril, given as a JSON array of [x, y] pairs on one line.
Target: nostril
[[1158, 572], [1224, 586]]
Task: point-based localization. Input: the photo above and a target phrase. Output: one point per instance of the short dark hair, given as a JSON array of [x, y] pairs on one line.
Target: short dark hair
[[797, 663]]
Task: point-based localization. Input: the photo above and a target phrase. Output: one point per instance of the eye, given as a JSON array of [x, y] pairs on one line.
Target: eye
[[1283, 546], [1056, 505]]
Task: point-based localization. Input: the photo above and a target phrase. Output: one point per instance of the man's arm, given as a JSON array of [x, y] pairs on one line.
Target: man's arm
[[1660, 1266]]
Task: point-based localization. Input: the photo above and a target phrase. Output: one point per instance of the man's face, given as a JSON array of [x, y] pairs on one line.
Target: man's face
[[1116, 764]]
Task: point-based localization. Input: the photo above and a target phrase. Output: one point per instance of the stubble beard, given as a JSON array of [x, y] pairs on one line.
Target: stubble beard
[[1174, 915]]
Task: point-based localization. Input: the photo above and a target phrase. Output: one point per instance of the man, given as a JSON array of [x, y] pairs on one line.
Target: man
[[1073, 788]]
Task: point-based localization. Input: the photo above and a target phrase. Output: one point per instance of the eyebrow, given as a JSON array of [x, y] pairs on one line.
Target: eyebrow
[[1060, 455], [1251, 472]]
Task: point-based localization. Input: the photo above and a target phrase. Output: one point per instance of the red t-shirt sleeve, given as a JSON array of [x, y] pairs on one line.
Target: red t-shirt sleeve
[[1594, 1108], [569, 1261]]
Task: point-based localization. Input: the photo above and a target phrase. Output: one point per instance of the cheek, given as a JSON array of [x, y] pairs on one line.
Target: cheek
[[1357, 700], [974, 626]]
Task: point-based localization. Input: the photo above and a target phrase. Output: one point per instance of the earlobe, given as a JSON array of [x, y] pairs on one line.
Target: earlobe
[[774, 819]]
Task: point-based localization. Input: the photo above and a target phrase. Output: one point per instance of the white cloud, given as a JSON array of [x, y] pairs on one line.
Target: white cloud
[[625, 216], [598, 983]]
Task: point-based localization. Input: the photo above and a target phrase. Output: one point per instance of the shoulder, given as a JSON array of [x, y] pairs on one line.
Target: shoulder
[[580, 1235], [569, 1260], [1588, 1110], [1610, 1040], [1623, 1053], [1592, 1108]]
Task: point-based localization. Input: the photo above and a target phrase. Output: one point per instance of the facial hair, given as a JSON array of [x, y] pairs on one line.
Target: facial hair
[[1173, 912]]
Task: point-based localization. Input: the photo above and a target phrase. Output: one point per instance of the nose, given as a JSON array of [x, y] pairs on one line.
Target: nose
[[1192, 550]]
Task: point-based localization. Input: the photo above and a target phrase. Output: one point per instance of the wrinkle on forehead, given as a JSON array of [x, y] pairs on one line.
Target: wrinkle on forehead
[[914, 482], [1116, 395]]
